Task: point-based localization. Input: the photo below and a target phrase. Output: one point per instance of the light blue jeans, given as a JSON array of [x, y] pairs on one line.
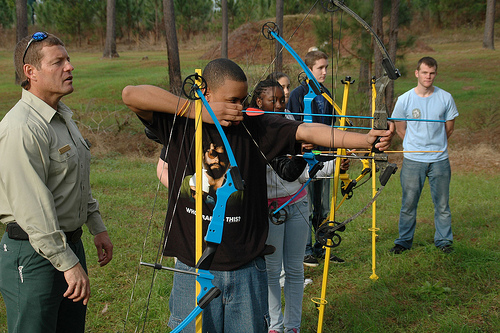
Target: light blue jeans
[[413, 175], [242, 306], [289, 239]]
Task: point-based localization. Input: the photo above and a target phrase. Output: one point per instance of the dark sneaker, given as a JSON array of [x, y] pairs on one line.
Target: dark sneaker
[[336, 260], [398, 249], [310, 261], [447, 249]]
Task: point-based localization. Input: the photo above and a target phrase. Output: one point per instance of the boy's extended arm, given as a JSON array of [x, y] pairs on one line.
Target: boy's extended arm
[[146, 99], [323, 135]]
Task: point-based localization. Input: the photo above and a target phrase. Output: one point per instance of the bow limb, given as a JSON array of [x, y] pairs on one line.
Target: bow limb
[[207, 293], [270, 31], [387, 63]]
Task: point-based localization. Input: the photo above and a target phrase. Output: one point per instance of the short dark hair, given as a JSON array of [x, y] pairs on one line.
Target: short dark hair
[[218, 70], [260, 88], [429, 61], [33, 55], [313, 56]]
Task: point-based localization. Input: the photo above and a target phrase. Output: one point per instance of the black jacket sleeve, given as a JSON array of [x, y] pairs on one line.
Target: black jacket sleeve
[[288, 168]]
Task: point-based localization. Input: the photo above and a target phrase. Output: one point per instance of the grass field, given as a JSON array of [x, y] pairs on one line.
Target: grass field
[[422, 290]]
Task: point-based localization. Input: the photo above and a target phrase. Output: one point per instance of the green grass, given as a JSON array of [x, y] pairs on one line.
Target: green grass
[[421, 290]]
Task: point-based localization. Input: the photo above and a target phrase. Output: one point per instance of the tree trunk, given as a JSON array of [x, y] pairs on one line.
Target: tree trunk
[[279, 48], [393, 48], [364, 79], [174, 64], [110, 45], [225, 30], [379, 30], [489, 25], [21, 25]]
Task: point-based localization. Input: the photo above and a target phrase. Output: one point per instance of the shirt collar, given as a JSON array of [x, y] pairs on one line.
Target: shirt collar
[[42, 108]]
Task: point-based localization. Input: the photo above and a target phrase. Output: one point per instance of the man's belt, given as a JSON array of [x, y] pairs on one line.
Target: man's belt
[[16, 232]]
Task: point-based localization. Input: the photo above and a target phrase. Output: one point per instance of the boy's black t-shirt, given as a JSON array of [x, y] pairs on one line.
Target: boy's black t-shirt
[[246, 218]]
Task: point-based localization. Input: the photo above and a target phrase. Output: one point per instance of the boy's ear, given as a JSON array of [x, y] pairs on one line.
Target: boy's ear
[[208, 94]]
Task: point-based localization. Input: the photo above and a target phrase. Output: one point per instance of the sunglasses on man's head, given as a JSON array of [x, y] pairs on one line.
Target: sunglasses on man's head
[[37, 37]]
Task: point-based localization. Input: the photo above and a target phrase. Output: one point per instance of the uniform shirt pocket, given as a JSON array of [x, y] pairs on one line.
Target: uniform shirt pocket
[[64, 164]]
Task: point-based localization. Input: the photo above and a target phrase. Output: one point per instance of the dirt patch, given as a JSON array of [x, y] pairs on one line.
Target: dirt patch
[[105, 144], [475, 152], [247, 44]]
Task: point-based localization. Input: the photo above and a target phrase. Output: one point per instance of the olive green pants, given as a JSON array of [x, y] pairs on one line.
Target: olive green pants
[[33, 289]]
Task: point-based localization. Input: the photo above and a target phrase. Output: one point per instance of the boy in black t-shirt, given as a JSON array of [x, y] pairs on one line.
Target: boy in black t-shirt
[[238, 266]]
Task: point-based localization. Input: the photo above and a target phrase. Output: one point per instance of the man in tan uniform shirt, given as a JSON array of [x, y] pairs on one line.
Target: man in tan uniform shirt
[[45, 197]]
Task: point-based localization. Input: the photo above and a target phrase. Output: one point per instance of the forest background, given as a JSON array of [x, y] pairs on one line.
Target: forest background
[[419, 291]]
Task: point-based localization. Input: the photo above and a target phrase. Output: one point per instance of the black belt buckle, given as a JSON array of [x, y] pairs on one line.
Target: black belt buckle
[[14, 231], [74, 236]]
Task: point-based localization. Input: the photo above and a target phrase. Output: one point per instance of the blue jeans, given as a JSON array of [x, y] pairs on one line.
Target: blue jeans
[[319, 208], [242, 306], [413, 175], [289, 239]]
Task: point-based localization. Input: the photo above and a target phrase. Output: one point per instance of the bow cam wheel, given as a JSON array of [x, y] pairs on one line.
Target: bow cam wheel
[[189, 86], [267, 28], [328, 231], [278, 217], [302, 78]]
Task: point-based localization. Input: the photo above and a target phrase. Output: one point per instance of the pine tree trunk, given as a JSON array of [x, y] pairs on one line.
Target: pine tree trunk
[[393, 47], [174, 64], [21, 26], [489, 25], [279, 22], [379, 30], [110, 44], [225, 30]]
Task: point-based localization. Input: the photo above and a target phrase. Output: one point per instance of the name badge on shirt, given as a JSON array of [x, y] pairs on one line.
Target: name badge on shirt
[[64, 149]]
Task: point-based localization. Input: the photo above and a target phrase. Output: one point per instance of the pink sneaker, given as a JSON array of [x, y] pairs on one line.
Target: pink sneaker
[[273, 331]]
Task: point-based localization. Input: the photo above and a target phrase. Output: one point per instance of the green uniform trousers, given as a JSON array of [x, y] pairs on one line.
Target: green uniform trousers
[[33, 289]]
